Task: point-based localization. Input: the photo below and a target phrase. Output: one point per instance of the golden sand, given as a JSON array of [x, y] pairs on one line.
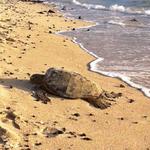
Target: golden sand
[[28, 45]]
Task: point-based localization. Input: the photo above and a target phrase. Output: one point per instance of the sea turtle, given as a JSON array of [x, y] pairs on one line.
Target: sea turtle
[[70, 85]]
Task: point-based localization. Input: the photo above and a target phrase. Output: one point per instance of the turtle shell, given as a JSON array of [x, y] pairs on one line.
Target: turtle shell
[[69, 84]]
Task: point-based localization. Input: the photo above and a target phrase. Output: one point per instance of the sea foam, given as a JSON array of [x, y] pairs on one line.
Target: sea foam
[[94, 68], [89, 6], [115, 7], [116, 23], [94, 64], [118, 8], [147, 12]]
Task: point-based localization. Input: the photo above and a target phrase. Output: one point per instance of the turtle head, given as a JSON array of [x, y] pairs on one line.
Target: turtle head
[[37, 79]]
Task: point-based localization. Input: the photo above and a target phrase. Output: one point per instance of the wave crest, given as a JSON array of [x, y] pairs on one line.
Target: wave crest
[[118, 8], [89, 6], [115, 7]]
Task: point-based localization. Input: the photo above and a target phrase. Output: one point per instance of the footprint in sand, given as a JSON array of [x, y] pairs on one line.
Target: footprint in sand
[[9, 129], [9, 138]]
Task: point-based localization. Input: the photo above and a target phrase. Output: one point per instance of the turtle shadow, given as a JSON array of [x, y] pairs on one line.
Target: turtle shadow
[[21, 84]]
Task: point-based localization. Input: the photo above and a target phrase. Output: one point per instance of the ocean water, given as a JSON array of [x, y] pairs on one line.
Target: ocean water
[[120, 40]]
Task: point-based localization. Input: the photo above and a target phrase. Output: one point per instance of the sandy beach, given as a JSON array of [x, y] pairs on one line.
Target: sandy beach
[[28, 44]]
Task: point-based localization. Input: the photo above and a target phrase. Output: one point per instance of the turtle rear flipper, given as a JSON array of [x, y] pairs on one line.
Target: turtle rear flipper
[[105, 99], [99, 103]]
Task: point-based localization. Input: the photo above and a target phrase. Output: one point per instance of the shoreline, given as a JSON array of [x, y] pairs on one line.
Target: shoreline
[[92, 65], [30, 45], [125, 79]]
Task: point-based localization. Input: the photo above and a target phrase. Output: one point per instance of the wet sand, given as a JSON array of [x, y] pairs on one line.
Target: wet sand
[[28, 45]]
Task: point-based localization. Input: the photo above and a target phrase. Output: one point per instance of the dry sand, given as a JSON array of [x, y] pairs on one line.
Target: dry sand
[[26, 47]]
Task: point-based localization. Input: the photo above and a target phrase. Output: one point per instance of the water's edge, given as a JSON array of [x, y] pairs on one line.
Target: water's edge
[[126, 79], [93, 64]]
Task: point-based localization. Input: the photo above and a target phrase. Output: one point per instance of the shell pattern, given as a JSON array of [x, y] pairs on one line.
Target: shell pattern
[[69, 84]]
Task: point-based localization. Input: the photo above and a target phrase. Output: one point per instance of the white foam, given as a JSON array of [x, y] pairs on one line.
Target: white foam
[[118, 8], [93, 64], [147, 12], [81, 46], [94, 68], [89, 6], [116, 22], [115, 7]]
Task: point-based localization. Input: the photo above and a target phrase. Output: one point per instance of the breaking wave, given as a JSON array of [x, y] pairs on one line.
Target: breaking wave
[[115, 7], [89, 6]]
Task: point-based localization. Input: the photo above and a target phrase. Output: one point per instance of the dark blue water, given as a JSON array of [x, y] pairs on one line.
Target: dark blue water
[[122, 36]]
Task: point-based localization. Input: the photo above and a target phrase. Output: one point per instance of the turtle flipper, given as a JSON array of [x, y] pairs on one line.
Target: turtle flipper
[[105, 99], [99, 103], [110, 96], [41, 95]]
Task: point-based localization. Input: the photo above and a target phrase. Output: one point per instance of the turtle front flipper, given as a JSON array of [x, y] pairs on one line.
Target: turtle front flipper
[[41, 95]]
